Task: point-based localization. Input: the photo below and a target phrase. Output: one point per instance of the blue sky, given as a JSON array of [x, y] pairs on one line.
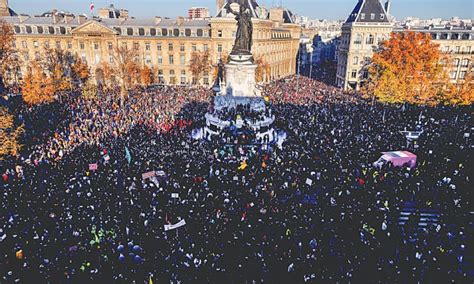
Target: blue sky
[[327, 9]]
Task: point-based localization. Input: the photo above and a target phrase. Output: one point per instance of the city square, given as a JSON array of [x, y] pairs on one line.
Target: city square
[[245, 145]]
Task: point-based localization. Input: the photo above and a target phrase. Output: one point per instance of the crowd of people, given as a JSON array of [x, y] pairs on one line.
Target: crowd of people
[[88, 200]]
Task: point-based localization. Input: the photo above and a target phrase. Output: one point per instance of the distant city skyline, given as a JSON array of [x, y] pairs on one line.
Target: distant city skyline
[[314, 9]]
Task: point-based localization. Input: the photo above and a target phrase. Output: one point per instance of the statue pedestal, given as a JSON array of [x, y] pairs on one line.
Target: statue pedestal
[[240, 76]]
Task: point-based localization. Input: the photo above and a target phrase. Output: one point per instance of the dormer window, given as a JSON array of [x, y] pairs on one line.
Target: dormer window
[[382, 16], [362, 16], [372, 16]]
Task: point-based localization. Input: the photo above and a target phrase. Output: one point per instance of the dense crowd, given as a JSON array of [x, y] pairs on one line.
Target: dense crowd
[[315, 211]]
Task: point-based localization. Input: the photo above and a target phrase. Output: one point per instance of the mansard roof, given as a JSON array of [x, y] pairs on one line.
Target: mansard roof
[[252, 4], [368, 11]]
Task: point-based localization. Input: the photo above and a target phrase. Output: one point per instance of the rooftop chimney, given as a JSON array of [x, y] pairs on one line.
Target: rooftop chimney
[[157, 20], [81, 19]]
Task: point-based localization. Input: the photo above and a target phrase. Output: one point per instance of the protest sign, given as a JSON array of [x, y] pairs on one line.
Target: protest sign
[[93, 167], [148, 175], [309, 181], [175, 226], [174, 195]]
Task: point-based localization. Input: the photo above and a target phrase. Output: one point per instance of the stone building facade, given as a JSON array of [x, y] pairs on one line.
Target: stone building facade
[[164, 44], [370, 23]]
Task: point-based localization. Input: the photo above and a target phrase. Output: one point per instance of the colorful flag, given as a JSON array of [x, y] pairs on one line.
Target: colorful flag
[[91, 7], [128, 156]]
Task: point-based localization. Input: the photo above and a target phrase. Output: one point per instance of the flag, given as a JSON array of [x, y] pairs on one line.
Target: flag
[[128, 156], [91, 7], [243, 166], [150, 281]]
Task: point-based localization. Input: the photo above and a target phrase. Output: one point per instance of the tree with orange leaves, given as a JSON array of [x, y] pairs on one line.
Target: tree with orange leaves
[[407, 69], [37, 87], [80, 71], [9, 134], [200, 63], [462, 92], [146, 76], [9, 59], [262, 71]]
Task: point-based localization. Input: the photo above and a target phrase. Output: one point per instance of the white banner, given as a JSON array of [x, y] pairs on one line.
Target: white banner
[[175, 226]]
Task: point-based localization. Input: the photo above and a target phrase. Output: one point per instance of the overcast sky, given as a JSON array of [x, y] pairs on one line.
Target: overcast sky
[[320, 9]]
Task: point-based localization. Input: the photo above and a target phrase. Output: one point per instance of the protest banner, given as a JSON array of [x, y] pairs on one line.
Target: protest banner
[[93, 167], [148, 175], [175, 226]]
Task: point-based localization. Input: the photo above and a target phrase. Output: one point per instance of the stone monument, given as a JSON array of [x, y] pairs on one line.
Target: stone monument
[[240, 114]]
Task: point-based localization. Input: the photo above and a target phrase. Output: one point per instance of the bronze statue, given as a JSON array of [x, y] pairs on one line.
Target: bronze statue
[[243, 40]]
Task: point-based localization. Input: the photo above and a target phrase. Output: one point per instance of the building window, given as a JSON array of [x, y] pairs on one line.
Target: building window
[[35, 44], [199, 33], [358, 39], [111, 59], [24, 44], [129, 31], [46, 44], [219, 48], [382, 17], [452, 75], [58, 45], [170, 47], [153, 32], [372, 16], [110, 45], [362, 16], [40, 29], [446, 49], [462, 75], [219, 33], [355, 61], [194, 47], [175, 32], [136, 46], [164, 32], [37, 55], [97, 58], [354, 73], [457, 49], [187, 32], [141, 31], [148, 59], [158, 46], [181, 47], [160, 59], [465, 62], [81, 45], [370, 39], [171, 59], [28, 30], [96, 46], [83, 57], [468, 49], [206, 47], [182, 59], [147, 46]]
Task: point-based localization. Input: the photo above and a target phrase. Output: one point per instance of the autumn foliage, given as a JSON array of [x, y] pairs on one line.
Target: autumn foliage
[[407, 69], [9, 135], [37, 87], [262, 71], [9, 60], [200, 63]]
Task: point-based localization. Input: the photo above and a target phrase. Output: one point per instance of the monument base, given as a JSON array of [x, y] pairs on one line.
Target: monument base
[[240, 77]]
